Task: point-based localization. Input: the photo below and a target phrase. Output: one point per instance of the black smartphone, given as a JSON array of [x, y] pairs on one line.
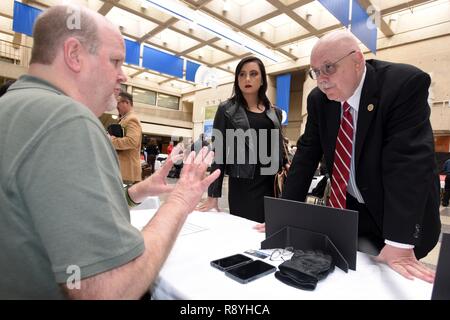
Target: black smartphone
[[250, 271], [230, 262]]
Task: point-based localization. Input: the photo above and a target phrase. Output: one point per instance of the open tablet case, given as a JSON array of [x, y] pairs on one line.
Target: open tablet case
[[305, 226], [305, 240]]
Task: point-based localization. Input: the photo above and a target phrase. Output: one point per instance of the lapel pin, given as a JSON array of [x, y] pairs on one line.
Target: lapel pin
[[370, 107]]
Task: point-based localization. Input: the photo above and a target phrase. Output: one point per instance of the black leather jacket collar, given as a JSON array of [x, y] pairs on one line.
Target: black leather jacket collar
[[237, 116]]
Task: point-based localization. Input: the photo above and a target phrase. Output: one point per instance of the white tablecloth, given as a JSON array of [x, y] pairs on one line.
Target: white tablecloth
[[207, 236]]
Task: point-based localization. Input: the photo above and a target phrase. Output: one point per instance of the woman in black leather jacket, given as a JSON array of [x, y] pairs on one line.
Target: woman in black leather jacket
[[247, 140]]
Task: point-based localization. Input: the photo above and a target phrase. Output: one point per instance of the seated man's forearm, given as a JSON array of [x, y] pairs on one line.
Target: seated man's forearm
[[133, 279]]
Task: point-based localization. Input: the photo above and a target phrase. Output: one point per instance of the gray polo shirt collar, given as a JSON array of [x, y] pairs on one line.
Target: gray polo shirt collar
[[27, 81]]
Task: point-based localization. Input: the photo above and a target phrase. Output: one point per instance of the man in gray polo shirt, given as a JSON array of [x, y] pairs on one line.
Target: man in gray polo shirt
[[64, 219]]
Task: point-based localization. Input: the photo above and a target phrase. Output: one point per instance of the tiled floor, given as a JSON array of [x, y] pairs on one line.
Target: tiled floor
[[430, 260]]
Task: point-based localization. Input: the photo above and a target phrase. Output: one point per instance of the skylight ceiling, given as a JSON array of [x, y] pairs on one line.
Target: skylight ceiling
[[285, 28]]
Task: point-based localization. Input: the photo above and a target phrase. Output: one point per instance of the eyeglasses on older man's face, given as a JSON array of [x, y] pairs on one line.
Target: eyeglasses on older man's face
[[328, 68]]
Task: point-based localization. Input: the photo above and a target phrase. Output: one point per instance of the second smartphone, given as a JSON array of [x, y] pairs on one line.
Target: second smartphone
[[250, 271], [227, 263]]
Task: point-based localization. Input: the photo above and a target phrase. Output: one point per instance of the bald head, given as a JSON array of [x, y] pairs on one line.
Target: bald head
[[341, 41], [58, 23], [337, 64]]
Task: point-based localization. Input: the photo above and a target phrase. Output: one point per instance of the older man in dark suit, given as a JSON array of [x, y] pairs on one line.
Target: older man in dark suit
[[370, 120]]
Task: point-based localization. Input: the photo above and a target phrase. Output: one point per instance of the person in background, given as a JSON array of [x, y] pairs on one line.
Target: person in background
[[65, 227], [152, 152], [247, 112], [370, 120], [446, 196], [199, 143], [128, 147], [170, 148]]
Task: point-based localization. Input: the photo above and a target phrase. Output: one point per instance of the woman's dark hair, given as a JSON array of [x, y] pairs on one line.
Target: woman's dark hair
[[237, 96]]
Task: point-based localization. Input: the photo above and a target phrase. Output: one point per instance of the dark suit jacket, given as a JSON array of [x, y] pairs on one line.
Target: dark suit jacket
[[394, 152]]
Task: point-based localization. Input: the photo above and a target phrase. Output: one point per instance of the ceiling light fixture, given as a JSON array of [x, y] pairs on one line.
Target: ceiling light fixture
[[262, 31], [226, 6], [180, 11], [393, 17], [192, 26]]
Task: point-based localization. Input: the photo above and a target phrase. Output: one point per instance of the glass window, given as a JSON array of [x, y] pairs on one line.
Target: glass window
[[123, 87], [144, 96], [167, 101]]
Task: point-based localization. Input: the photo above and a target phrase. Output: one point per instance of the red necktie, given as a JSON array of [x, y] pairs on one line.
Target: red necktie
[[342, 160]]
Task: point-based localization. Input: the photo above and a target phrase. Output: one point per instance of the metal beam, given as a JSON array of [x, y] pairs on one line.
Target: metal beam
[[141, 70], [7, 16], [158, 29], [260, 19], [107, 6], [231, 59], [138, 73], [44, 4], [201, 40], [291, 14], [177, 79], [405, 5], [167, 80], [133, 7], [198, 46], [297, 4], [307, 35], [8, 32], [287, 53], [197, 4]]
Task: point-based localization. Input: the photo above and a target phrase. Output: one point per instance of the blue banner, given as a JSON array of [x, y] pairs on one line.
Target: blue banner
[[207, 129], [283, 95], [363, 27], [162, 62], [133, 50], [24, 18], [339, 9], [191, 69]]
